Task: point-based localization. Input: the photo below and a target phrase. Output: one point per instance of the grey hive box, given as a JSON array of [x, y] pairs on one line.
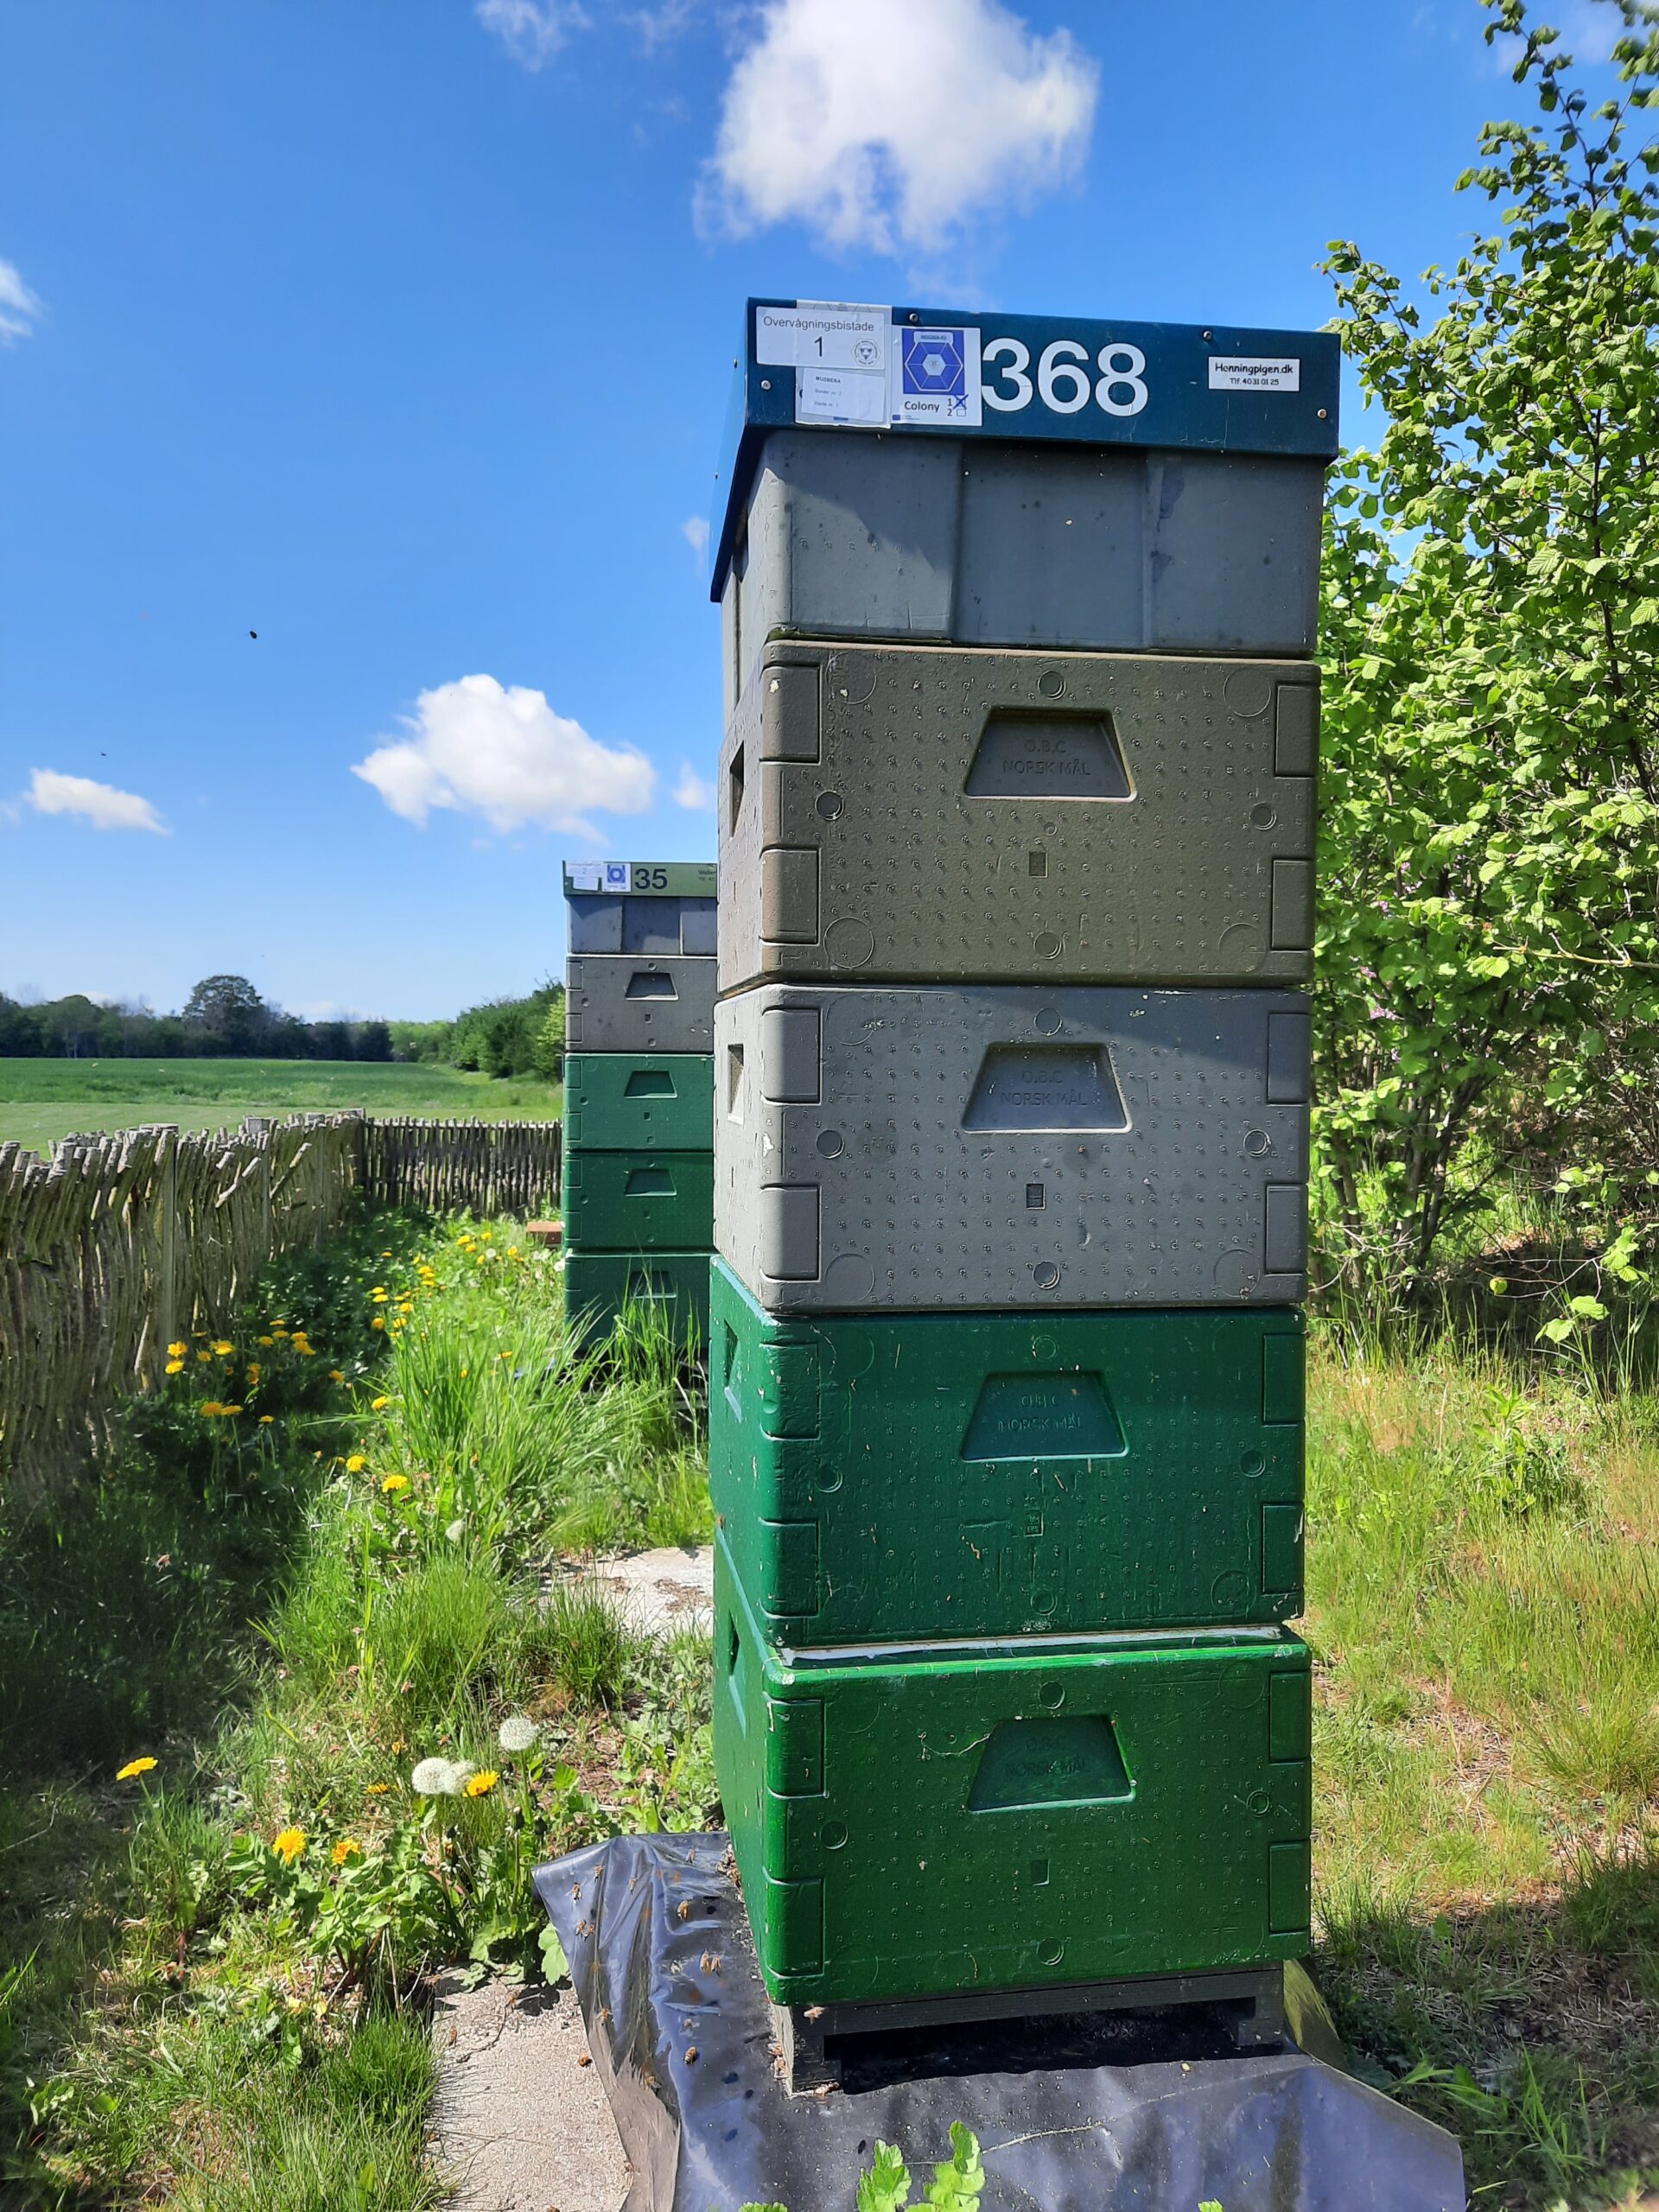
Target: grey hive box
[[941, 1147], [924, 474], [618, 922], [894, 812], [618, 1002], [845, 534]]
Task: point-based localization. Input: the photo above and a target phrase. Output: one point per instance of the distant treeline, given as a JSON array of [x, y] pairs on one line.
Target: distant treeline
[[225, 1018], [503, 1037]]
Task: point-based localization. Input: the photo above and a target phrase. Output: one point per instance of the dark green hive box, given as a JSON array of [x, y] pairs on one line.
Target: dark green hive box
[[639, 1201], [623, 1102], [996, 1474], [599, 1285], [925, 1820]]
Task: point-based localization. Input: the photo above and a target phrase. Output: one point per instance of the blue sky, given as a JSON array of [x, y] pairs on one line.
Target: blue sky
[[400, 332]]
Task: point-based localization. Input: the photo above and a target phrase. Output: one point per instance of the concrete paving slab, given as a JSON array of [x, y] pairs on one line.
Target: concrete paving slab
[[520, 2122], [658, 1593]]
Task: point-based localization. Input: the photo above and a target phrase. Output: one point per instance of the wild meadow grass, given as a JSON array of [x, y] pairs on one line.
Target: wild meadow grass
[[1483, 1606], [313, 1577], [213, 1971]]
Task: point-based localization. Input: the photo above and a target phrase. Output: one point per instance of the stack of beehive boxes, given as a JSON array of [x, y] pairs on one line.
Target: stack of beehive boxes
[[1017, 821], [639, 1091]]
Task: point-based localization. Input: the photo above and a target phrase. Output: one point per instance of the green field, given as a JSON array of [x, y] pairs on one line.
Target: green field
[[41, 1101]]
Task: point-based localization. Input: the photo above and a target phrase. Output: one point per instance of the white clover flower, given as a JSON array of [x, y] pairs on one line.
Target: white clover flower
[[436, 1778], [518, 1733]]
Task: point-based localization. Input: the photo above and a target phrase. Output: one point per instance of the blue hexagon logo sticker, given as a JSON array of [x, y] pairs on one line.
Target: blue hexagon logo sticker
[[933, 362]]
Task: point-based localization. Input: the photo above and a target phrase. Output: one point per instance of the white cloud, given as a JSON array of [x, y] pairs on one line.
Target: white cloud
[[692, 792], [890, 126], [478, 747], [532, 30], [694, 531], [101, 805], [658, 25], [1589, 29], [20, 310]]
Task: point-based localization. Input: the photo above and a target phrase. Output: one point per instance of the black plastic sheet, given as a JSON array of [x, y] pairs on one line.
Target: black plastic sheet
[[1072, 2116]]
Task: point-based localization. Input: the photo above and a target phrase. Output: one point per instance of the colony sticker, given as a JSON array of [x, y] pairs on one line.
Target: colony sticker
[[936, 378]]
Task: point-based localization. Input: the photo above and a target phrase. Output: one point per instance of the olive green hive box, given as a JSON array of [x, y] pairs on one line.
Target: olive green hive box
[[639, 1201], [671, 1286], [949, 1146], [997, 1474], [626, 1102], [935, 1820], [897, 813]]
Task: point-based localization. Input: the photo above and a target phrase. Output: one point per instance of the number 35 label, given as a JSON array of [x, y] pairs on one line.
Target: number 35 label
[[1067, 378]]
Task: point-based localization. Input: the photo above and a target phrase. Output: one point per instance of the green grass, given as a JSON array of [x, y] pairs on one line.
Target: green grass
[[289, 1618], [1485, 1612], [286, 1611], [42, 1100]]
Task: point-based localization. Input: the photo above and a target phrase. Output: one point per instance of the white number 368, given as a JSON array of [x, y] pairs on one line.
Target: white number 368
[[1063, 377]]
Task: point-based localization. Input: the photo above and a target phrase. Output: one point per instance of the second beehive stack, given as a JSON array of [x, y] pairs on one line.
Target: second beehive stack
[[639, 1091]]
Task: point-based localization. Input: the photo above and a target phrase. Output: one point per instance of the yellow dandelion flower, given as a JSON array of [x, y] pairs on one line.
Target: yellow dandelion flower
[[175, 1367], [378, 1405], [177, 1350], [334, 1375], [277, 1330], [378, 1322], [229, 1410], [134, 1768], [267, 1342], [205, 1357], [210, 1410], [222, 1347], [480, 1785], [347, 1847], [265, 1419], [287, 1845], [378, 1789], [464, 1373], [356, 1463], [393, 1484]]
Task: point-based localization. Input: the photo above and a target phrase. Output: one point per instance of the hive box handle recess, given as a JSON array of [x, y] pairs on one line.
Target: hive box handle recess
[[1026, 755], [1046, 1087]]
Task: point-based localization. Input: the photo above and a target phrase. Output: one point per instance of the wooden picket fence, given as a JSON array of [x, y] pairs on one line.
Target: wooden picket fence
[[118, 1245]]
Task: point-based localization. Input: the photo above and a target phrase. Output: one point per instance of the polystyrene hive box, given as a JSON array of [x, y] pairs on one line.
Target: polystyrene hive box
[[920, 1820], [893, 813], [1000, 542], [621, 1002], [619, 1101], [947, 1146], [984, 1475], [620, 922], [637, 1201], [669, 1289]]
